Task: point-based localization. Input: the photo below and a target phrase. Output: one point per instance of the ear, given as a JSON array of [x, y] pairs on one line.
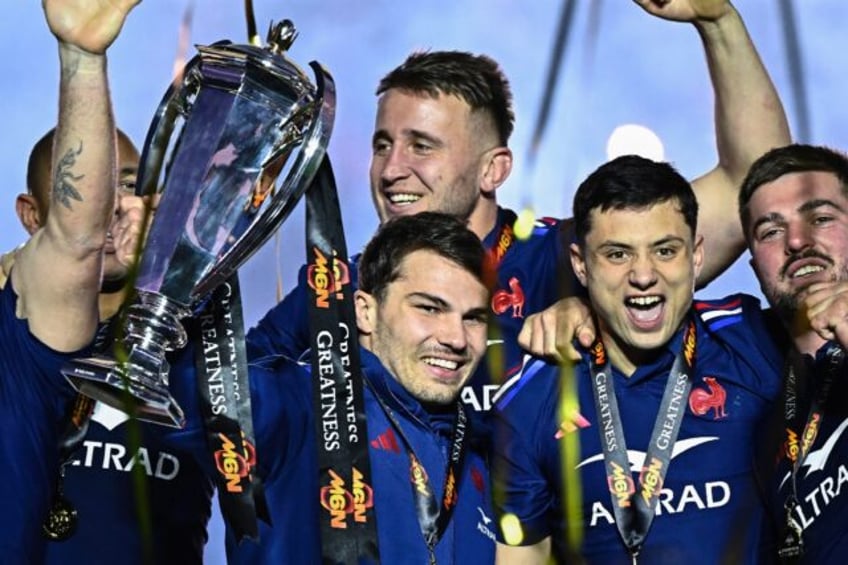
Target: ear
[[27, 208], [578, 263], [497, 164], [698, 255], [366, 312]]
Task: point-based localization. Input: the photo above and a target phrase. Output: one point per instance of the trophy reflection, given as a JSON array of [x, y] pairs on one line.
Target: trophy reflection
[[241, 116]]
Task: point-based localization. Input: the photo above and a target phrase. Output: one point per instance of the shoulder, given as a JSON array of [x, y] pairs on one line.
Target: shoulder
[[538, 380], [736, 312], [742, 336]]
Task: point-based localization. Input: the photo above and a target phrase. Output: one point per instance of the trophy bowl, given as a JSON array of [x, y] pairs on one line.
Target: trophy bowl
[[232, 148]]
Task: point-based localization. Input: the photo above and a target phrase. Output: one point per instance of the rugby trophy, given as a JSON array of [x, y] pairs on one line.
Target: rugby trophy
[[241, 117]]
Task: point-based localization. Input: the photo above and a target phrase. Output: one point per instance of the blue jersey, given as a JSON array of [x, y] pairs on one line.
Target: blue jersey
[[531, 274], [708, 510], [33, 394], [822, 479], [99, 482], [287, 459]]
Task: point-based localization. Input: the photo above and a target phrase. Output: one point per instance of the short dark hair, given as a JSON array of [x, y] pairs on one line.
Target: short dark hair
[[432, 231], [631, 182], [795, 158], [475, 79]]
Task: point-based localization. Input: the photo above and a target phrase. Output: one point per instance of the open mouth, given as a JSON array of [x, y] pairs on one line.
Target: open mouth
[[645, 311], [805, 271]]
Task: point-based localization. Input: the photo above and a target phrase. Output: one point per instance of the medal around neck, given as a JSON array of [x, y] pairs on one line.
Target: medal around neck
[[241, 118]]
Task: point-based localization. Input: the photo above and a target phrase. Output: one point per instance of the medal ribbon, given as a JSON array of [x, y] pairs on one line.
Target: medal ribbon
[[348, 517], [502, 242], [224, 390], [433, 518], [797, 448], [60, 523], [634, 511]]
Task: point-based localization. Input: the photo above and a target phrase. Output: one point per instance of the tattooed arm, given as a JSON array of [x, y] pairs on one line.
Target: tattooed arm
[[57, 273]]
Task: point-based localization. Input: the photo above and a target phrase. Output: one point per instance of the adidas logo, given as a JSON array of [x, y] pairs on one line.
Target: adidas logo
[[386, 441]]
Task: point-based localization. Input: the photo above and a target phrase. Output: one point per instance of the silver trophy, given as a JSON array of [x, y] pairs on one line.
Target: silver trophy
[[241, 117]]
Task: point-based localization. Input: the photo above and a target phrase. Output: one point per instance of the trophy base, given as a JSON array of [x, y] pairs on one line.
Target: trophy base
[[102, 379]]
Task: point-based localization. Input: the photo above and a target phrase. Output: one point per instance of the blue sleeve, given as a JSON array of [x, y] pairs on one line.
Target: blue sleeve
[[280, 396], [285, 328], [521, 484], [284, 331]]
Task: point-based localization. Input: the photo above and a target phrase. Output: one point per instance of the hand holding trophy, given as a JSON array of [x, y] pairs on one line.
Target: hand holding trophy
[[240, 117]]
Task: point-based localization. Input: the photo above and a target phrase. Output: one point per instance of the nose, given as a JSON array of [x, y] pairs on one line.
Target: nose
[[798, 237], [452, 333], [392, 165], [642, 272]]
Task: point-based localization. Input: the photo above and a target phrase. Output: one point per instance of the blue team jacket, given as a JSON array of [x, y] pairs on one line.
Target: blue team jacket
[[709, 510], [284, 426]]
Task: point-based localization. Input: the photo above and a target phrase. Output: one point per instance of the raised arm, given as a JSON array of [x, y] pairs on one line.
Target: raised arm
[[749, 120], [57, 273]]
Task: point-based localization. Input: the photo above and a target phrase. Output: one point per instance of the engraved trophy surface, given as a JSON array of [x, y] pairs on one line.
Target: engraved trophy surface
[[241, 117]]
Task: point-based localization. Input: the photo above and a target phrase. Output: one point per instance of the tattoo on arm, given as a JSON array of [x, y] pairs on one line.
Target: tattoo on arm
[[63, 188]]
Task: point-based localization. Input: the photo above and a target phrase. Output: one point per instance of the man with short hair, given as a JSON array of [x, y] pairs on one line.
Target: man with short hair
[[794, 209], [48, 307], [421, 314], [98, 476], [648, 449]]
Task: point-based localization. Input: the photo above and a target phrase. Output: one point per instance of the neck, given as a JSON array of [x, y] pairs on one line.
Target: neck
[[626, 359], [484, 218]]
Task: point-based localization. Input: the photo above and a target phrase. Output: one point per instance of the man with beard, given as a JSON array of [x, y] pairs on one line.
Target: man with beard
[[99, 477], [794, 210]]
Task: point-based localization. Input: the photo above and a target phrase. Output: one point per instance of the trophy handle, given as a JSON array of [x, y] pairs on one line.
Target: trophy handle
[[160, 132], [285, 199]]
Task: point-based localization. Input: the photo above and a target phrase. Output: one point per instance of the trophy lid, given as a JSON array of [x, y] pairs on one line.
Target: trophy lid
[[268, 64]]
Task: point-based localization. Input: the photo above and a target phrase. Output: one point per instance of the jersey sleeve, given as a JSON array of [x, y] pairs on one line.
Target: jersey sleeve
[[284, 330], [523, 495]]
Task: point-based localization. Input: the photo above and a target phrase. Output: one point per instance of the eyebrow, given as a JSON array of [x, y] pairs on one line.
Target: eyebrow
[[407, 133], [818, 203], [429, 297], [662, 241], [476, 312], [128, 171], [807, 206]]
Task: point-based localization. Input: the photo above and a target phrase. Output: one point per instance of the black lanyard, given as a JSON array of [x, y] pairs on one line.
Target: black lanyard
[[502, 242], [432, 517], [798, 447], [348, 518], [61, 521], [634, 511], [223, 388]]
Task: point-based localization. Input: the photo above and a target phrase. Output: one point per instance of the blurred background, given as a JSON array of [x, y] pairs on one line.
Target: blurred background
[[618, 66]]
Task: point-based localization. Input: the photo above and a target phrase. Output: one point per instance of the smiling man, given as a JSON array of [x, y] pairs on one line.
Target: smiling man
[[794, 208], [421, 312], [666, 402]]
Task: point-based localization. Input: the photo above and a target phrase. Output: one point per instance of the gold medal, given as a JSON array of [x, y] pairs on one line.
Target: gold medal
[[61, 522]]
